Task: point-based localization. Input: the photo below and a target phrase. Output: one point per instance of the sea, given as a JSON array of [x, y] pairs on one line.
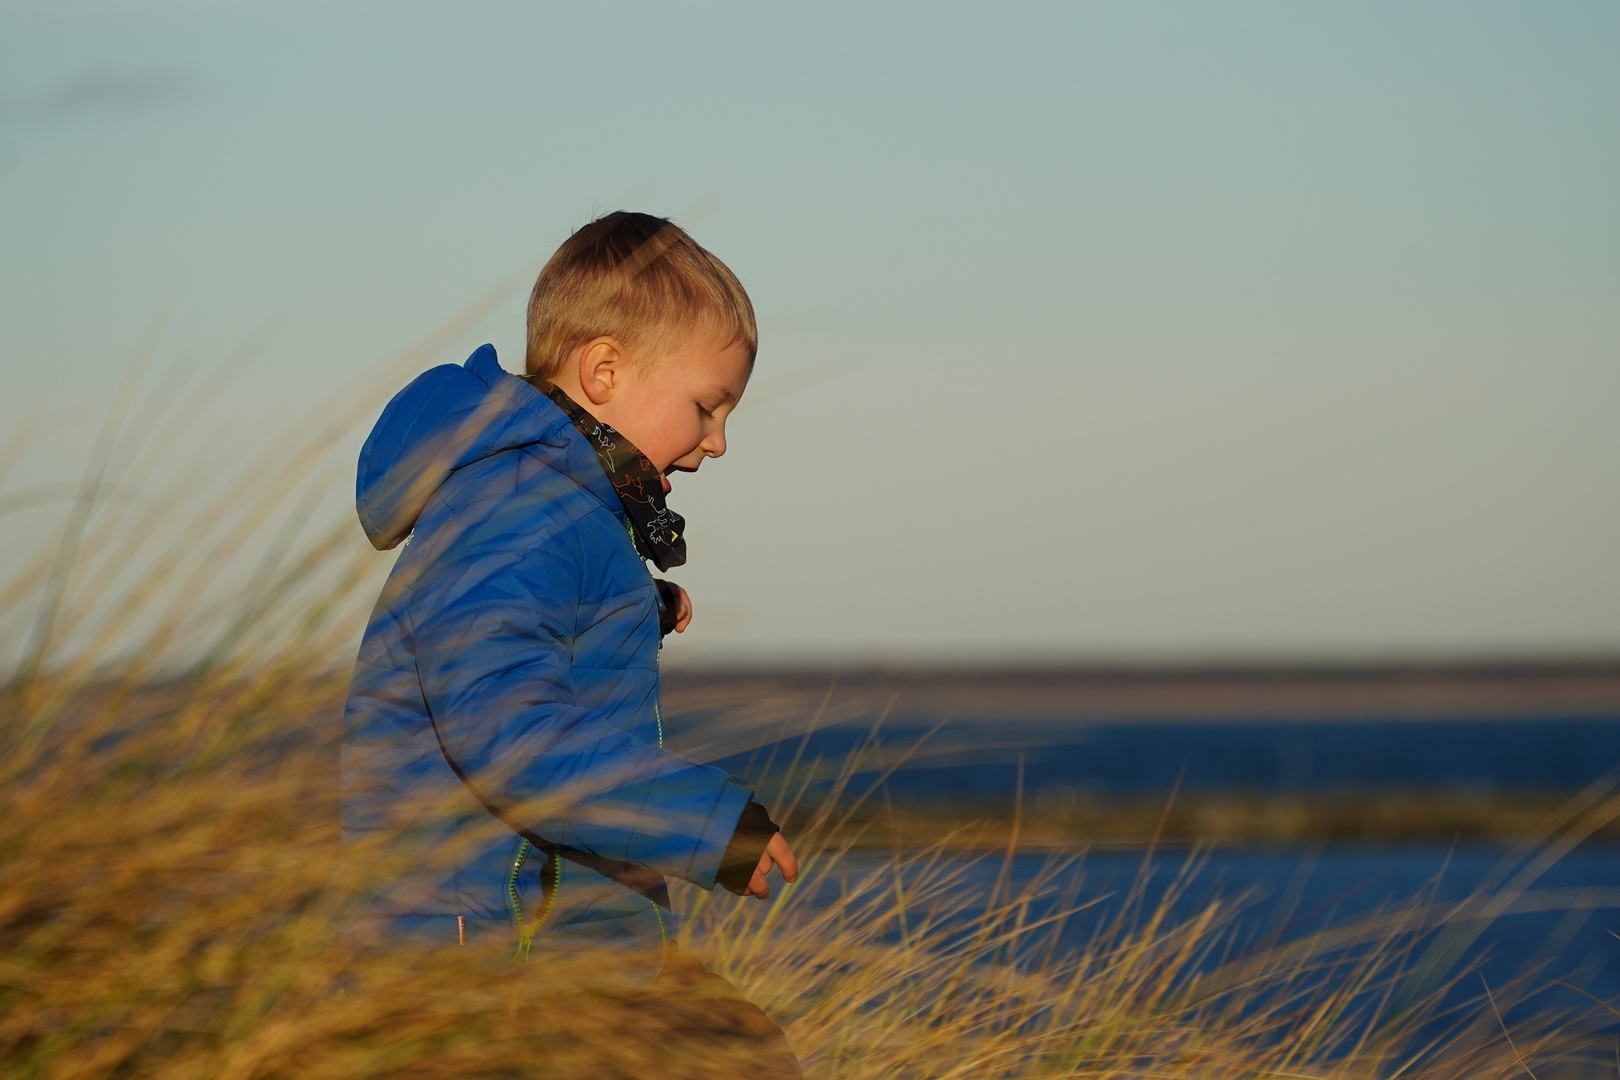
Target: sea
[[987, 741]]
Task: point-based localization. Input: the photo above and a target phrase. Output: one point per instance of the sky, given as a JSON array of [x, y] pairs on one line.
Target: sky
[[1107, 332]]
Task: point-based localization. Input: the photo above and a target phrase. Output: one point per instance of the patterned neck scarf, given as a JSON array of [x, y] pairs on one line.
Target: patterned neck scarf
[[658, 531]]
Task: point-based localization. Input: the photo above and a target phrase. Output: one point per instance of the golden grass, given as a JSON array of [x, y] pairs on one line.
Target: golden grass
[[171, 893]]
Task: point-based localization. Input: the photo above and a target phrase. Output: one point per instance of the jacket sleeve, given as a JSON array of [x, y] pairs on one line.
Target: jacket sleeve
[[495, 669]]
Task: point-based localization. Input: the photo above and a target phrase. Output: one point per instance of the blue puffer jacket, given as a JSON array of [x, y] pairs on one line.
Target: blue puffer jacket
[[517, 637]]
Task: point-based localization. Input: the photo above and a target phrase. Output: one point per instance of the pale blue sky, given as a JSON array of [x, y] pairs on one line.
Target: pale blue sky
[[1091, 331]]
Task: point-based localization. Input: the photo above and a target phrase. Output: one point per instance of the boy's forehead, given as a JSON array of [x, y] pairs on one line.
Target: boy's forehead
[[741, 368], [722, 362], [704, 362]]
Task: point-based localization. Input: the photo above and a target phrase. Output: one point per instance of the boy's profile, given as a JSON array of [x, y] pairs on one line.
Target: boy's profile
[[510, 668]]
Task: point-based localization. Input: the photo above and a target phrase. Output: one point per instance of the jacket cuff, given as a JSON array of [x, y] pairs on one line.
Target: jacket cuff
[[717, 832], [668, 607], [754, 831]]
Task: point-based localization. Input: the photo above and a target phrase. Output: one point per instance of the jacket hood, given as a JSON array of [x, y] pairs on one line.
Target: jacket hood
[[447, 418]]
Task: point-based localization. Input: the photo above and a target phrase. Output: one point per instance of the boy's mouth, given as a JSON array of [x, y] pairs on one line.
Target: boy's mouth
[[662, 479]]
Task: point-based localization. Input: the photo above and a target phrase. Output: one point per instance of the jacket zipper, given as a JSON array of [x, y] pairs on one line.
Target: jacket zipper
[[663, 931], [526, 932]]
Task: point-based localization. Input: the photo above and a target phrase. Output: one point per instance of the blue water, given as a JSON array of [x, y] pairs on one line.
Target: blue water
[[979, 759], [1282, 894], [1563, 929]]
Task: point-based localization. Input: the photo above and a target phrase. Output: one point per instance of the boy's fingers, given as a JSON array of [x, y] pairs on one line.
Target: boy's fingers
[[779, 852], [683, 610], [759, 885]]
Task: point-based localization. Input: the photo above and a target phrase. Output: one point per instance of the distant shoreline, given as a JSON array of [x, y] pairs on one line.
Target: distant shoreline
[[1260, 755], [1317, 691], [1228, 820]]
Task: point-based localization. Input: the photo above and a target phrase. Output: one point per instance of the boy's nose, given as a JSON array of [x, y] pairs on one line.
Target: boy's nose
[[715, 444]]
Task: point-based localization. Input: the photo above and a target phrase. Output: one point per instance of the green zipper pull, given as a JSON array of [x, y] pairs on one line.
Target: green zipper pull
[[526, 931]]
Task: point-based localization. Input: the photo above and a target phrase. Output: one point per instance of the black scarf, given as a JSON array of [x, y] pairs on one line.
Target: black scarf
[[658, 531]]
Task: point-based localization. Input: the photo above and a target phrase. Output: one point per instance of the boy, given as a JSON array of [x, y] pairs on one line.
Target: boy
[[510, 666]]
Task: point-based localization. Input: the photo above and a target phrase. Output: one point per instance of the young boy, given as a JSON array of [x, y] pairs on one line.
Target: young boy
[[510, 667]]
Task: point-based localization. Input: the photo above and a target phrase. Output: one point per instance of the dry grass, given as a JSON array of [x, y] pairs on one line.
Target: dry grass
[[171, 892]]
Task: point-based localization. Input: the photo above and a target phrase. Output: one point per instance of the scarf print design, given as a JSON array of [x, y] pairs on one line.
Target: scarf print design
[[658, 531]]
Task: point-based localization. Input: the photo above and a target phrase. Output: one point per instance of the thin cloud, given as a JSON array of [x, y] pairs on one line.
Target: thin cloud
[[112, 89], [93, 91]]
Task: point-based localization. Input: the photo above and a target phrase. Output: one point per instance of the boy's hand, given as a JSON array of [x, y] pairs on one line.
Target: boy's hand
[[778, 854], [683, 609]]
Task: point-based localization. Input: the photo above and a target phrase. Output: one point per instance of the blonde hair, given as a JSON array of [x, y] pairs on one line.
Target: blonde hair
[[639, 279]]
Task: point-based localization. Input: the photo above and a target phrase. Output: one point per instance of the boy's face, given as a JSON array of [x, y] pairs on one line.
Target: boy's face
[[673, 406]]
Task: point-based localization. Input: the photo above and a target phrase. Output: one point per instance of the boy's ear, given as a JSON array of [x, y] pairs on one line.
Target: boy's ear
[[601, 367]]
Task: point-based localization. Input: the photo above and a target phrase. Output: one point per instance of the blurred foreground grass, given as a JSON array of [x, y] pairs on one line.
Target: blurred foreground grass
[[171, 896], [171, 891]]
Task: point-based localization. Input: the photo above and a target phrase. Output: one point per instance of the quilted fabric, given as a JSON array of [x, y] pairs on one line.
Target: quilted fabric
[[517, 634]]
